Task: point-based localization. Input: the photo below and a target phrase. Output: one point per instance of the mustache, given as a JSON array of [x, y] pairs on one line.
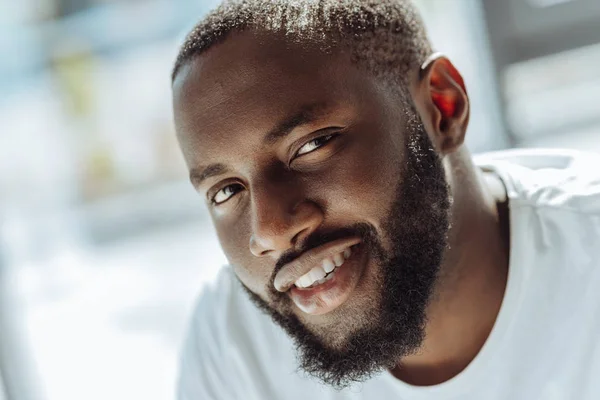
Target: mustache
[[365, 231]]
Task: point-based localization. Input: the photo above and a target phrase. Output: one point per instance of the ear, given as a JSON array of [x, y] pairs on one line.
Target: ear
[[444, 100]]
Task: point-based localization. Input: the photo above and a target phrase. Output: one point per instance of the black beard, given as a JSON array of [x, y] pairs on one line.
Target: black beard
[[417, 227]]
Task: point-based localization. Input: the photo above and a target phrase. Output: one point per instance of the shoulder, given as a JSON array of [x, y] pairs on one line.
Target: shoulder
[[203, 364], [224, 316], [214, 301], [208, 319], [230, 341], [565, 180]]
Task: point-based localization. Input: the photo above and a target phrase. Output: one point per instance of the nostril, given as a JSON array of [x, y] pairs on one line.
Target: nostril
[[298, 236], [258, 249], [265, 252]]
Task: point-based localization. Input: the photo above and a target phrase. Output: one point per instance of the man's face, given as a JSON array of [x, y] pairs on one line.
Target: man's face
[[312, 162]]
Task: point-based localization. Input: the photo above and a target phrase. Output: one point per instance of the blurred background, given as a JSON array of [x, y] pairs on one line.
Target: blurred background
[[104, 245]]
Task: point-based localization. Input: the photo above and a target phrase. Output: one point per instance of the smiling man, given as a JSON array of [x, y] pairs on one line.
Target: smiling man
[[366, 247]]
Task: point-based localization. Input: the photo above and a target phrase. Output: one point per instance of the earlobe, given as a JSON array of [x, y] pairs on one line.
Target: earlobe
[[445, 91]]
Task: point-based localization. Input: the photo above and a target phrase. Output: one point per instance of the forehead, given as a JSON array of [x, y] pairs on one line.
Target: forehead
[[240, 88]]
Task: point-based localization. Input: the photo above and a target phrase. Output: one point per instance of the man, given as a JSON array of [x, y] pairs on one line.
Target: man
[[326, 138]]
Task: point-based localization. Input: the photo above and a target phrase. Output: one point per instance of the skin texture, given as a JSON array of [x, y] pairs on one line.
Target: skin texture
[[228, 99]]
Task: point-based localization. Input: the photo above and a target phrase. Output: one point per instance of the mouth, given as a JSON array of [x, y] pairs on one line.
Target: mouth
[[323, 279]]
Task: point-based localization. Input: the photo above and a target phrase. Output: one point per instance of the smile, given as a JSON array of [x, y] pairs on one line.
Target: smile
[[324, 272], [313, 264], [322, 279]]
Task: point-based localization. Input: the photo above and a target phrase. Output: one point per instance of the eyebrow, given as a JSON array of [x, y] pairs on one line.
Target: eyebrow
[[307, 114], [199, 175]]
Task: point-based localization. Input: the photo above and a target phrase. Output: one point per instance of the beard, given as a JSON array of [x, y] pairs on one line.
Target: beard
[[391, 324]]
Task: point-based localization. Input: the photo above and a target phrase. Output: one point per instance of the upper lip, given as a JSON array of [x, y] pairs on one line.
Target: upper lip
[[293, 270]]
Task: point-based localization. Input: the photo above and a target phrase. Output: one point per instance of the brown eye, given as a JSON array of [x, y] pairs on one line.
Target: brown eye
[[226, 193], [314, 144]]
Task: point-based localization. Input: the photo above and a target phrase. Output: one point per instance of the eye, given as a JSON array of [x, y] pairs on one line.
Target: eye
[[314, 144], [225, 194]]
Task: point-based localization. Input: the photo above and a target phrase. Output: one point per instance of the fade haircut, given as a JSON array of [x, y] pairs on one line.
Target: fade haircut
[[387, 37]]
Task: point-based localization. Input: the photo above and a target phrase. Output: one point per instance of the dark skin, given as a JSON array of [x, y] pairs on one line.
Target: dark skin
[[275, 193]]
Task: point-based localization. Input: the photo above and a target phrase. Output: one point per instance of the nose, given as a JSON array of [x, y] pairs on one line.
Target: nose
[[281, 217]]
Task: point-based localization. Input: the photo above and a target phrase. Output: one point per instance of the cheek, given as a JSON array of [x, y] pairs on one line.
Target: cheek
[[234, 239], [251, 278], [363, 184]]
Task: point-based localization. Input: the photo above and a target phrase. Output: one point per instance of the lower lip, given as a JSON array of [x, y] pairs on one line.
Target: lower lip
[[329, 295]]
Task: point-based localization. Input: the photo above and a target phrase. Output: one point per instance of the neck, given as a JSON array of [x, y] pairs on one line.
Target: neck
[[472, 280]]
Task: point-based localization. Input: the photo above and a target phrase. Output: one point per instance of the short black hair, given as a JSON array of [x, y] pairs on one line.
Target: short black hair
[[387, 37]]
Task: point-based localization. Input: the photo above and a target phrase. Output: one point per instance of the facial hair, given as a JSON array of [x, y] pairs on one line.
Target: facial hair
[[417, 229]]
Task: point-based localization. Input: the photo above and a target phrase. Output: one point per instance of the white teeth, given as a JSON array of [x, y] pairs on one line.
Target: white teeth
[[316, 276], [304, 281], [329, 265], [317, 273], [347, 253], [338, 259], [311, 277], [328, 277]]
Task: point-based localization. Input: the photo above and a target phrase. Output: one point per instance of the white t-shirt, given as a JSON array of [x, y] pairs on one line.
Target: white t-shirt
[[545, 343]]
